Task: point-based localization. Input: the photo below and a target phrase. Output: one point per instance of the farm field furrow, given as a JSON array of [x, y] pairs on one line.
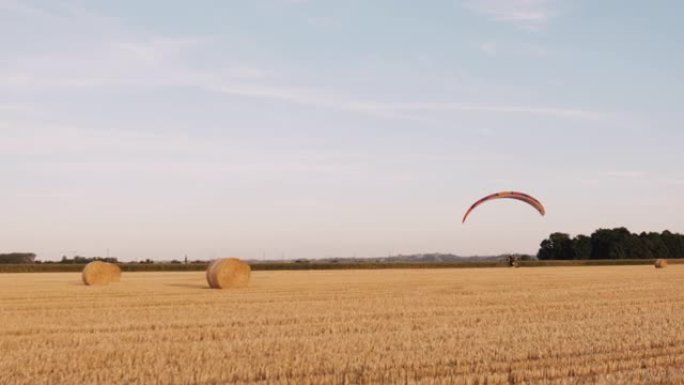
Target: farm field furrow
[[552, 325]]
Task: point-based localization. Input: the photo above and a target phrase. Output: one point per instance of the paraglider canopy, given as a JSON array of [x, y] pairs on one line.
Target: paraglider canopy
[[530, 200]]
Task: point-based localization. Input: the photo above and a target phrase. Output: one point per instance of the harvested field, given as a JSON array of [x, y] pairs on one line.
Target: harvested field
[[564, 325]]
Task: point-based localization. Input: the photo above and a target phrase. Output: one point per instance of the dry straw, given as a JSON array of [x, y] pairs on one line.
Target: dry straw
[[228, 273], [209, 274], [661, 263], [100, 273]]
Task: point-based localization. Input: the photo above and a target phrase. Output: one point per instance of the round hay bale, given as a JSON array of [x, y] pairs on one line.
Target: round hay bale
[[100, 273], [115, 271], [228, 273], [209, 275], [660, 263]]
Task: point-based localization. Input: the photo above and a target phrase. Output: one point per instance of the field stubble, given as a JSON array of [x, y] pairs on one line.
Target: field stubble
[[561, 325]]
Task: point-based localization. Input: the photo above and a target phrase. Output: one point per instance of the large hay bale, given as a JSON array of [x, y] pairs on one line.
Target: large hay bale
[[228, 273], [209, 275], [115, 272], [100, 273], [660, 263]]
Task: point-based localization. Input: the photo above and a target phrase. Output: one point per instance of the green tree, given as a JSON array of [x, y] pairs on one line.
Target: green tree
[[617, 243], [612, 243], [557, 246], [17, 258], [581, 246], [655, 245], [674, 244]]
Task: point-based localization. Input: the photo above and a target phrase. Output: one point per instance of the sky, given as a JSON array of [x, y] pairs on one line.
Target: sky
[[314, 129]]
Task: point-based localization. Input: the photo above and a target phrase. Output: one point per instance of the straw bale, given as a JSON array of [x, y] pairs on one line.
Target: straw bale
[[100, 273], [228, 273], [210, 276]]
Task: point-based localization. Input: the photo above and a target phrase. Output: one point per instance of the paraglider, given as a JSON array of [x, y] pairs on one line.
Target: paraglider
[[530, 200]]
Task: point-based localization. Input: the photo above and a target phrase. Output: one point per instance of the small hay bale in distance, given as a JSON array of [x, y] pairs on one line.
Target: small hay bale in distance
[[100, 273], [228, 273], [660, 263]]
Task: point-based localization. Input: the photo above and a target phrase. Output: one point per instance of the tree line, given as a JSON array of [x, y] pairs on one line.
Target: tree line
[[617, 243], [30, 258], [17, 258], [83, 260], [20, 258]]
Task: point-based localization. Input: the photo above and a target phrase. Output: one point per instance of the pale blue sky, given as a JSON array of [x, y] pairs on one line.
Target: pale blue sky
[[295, 128]]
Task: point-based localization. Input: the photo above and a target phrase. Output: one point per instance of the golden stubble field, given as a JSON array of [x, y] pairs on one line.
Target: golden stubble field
[[562, 325]]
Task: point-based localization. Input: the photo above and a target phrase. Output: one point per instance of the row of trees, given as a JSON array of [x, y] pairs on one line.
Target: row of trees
[[17, 258], [618, 243], [22, 258], [83, 260]]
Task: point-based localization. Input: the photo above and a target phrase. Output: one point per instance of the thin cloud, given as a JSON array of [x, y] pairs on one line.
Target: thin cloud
[[310, 98], [625, 174], [23, 9], [320, 21], [113, 59], [503, 109], [154, 64], [174, 153], [10, 107], [527, 14], [314, 98], [489, 48]]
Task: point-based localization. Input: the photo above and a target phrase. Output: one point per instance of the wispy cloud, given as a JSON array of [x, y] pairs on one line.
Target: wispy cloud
[[528, 14], [20, 8], [120, 59], [625, 174], [60, 149], [10, 107], [489, 48], [513, 49], [320, 21], [412, 110], [501, 109]]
